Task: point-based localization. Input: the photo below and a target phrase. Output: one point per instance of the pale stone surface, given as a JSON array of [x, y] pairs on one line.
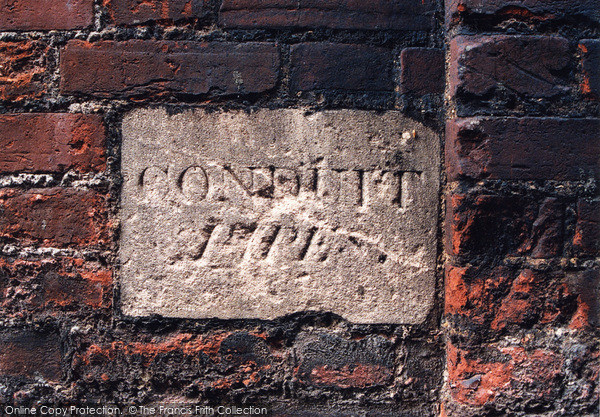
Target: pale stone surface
[[263, 214]]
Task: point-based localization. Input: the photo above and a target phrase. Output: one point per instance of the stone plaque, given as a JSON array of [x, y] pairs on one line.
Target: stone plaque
[[263, 214]]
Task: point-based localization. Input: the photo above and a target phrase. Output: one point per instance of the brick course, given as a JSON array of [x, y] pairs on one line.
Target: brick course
[[343, 67], [23, 70], [52, 142], [526, 65], [156, 68], [345, 14], [45, 14], [132, 12], [58, 217], [522, 148]]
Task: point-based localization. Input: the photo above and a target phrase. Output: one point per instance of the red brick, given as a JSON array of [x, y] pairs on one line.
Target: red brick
[[525, 65], [479, 376], [45, 14], [52, 142], [522, 9], [505, 297], [590, 62], [522, 148], [132, 12], [328, 360], [317, 66], [157, 68], [587, 232], [52, 286], [27, 353], [423, 71], [57, 217], [22, 70], [335, 14]]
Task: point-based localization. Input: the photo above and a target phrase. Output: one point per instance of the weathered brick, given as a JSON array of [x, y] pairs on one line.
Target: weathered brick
[[158, 68], [132, 12], [52, 142], [328, 360], [586, 285], [502, 298], [340, 67], [207, 363], [590, 62], [59, 217], [52, 286], [522, 9], [45, 14], [483, 226], [525, 370], [479, 376], [522, 148], [587, 232], [423, 71], [335, 14], [29, 354], [525, 65], [22, 70]]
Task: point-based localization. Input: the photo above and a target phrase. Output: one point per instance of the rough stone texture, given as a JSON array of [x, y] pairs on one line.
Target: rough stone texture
[[336, 14], [59, 217], [343, 67], [259, 215], [526, 65], [535, 10], [145, 68], [132, 12], [31, 354], [423, 71], [590, 50], [523, 148], [45, 14], [55, 142], [22, 70]]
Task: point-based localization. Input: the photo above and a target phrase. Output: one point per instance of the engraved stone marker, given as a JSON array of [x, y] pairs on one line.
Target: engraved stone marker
[[263, 214]]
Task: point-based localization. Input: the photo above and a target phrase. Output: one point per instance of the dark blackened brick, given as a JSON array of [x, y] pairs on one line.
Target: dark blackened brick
[[335, 14], [522, 9], [590, 51], [587, 232], [158, 68], [523, 148], [423, 71], [29, 354], [329, 360], [317, 66], [525, 65]]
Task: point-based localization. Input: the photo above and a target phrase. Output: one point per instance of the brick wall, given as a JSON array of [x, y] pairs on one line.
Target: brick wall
[[515, 327], [522, 146]]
